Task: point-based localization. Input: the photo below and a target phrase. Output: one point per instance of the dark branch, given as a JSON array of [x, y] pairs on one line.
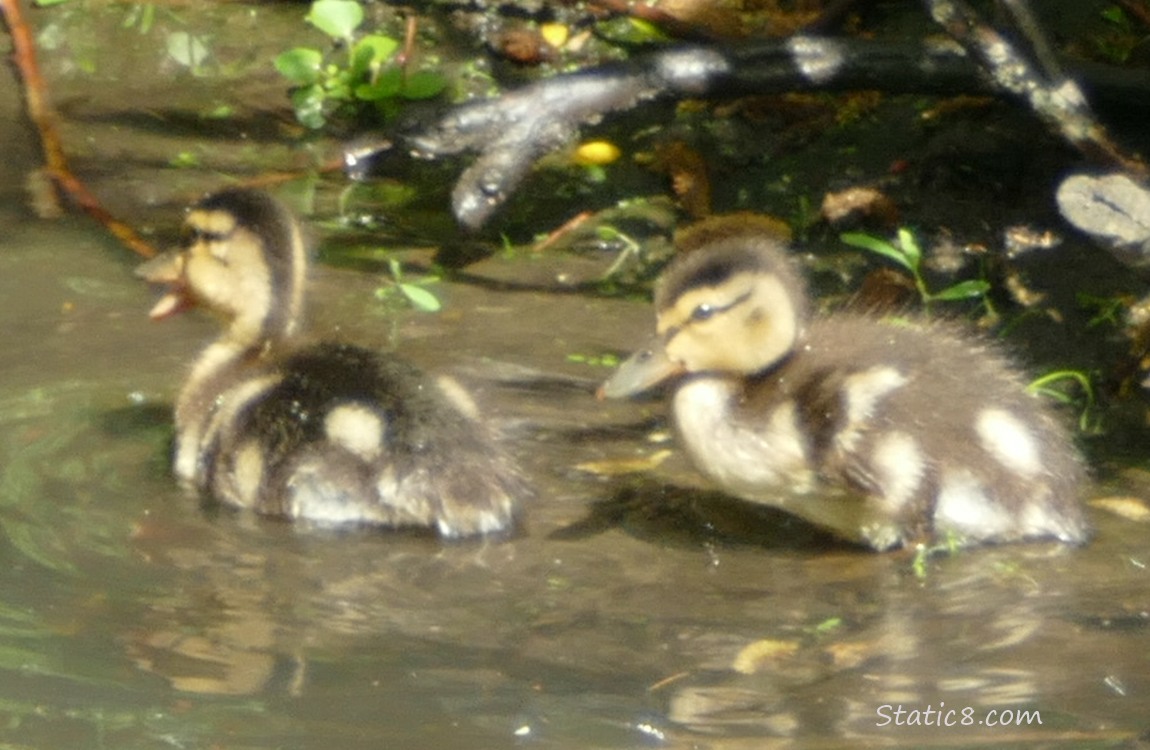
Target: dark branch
[[512, 131]]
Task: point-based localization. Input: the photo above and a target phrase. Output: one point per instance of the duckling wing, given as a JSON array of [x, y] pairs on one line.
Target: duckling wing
[[940, 434], [349, 436]]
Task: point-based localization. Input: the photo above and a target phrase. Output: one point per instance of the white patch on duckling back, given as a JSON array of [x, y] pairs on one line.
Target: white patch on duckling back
[[965, 507], [865, 389], [862, 392], [1007, 439], [900, 466], [356, 428]]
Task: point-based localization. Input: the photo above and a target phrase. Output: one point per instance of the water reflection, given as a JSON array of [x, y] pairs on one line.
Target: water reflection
[[132, 617], [630, 611]]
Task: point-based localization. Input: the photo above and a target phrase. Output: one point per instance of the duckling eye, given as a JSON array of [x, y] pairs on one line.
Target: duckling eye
[[703, 312]]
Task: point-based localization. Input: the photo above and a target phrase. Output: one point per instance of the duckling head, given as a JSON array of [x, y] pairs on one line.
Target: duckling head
[[735, 307], [243, 258]]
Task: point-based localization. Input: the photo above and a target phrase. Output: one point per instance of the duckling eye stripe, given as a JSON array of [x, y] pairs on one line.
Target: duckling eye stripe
[[195, 236], [706, 310], [698, 305]]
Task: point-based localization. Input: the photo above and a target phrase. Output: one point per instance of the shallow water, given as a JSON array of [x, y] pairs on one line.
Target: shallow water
[[628, 613]]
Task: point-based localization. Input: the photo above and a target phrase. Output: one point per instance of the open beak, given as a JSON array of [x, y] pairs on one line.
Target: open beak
[[643, 370], [167, 268]]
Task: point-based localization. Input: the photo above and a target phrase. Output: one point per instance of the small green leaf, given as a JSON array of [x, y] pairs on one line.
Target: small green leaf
[[336, 18], [300, 65], [308, 104], [629, 30], [338, 90], [185, 160], [371, 52], [423, 84], [909, 247], [219, 112], [386, 85], [420, 298], [962, 290], [877, 246], [828, 625], [1114, 15]]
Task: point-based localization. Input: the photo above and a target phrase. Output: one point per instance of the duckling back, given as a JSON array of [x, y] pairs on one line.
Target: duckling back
[[928, 430], [337, 434]]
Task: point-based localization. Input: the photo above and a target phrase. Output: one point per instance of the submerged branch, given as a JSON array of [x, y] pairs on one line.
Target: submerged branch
[[1114, 208], [1057, 100], [512, 131], [43, 117]]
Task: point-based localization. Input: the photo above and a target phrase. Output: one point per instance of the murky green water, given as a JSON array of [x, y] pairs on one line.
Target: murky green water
[[625, 616]]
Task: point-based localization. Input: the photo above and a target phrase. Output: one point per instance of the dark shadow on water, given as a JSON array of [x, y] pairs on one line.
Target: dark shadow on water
[[176, 122], [135, 419], [690, 517]]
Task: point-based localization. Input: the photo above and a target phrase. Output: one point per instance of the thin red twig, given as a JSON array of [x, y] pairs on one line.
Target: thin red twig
[[43, 117], [567, 227]]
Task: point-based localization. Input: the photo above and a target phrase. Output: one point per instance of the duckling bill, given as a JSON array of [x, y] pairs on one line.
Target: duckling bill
[[884, 434], [328, 432]]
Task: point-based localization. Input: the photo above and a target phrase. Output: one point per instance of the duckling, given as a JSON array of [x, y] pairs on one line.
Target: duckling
[[328, 432], [884, 433]]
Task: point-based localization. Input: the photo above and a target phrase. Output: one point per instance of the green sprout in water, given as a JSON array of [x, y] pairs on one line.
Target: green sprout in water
[[908, 254], [1108, 311], [412, 292], [370, 74], [631, 248], [949, 546], [594, 360], [827, 626], [1044, 385]]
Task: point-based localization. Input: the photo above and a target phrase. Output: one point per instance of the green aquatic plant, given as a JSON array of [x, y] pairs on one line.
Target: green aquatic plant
[[370, 72], [1120, 39], [948, 546], [908, 254], [827, 626], [630, 249], [610, 361], [412, 292], [1108, 311], [1080, 397]]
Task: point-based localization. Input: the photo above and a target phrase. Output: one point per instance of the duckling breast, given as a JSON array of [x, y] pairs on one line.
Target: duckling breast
[[768, 449]]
